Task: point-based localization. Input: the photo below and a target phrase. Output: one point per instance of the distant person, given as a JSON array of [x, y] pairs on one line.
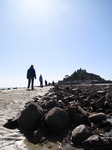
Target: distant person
[[53, 83], [41, 81], [45, 82], [31, 74]]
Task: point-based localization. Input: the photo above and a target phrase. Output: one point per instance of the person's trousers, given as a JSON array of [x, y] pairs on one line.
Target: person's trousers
[[31, 81], [41, 83]]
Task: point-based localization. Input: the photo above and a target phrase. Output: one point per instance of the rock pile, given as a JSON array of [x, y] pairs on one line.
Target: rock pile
[[74, 114]]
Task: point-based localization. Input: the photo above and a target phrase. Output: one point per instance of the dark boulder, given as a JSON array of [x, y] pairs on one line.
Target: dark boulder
[[99, 103], [96, 142], [37, 136], [51, 104], [57, 119], [98, 117], [77, 117], [30, 117], [79, 134], [12, 123], [104, 124], [77, 114]]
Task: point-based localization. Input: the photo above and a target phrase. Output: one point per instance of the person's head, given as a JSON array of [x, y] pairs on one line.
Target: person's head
[[32, 66]]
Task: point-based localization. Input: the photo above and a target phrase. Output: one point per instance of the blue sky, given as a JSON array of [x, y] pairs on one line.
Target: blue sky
[[56, 36]]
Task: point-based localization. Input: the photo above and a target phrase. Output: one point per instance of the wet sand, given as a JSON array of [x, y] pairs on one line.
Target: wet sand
[[11, 103]]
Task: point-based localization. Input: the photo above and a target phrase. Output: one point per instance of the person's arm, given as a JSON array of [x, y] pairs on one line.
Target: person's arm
[[35, 74], [27, 74]]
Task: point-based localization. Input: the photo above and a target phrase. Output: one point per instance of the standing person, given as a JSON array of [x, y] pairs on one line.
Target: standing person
[[31, 74], [45, 82], [41, 81], [53, 83]]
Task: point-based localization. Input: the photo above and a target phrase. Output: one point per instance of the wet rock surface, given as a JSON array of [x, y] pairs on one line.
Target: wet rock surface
[[71, 113]]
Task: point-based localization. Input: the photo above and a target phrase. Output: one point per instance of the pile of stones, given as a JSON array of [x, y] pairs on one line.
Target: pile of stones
[[74, 114]]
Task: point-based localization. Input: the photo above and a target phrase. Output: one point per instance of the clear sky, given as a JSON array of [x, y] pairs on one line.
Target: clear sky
[[56, 36]]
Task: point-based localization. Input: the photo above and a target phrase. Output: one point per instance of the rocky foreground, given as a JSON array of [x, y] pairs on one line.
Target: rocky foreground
[[68, 114]]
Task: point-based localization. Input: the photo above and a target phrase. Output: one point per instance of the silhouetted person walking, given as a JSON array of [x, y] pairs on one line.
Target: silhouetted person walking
[[45, 82], [53, 83], [31, 74], [41, 81]]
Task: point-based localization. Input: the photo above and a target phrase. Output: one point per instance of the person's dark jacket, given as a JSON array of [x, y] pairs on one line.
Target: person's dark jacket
[[31, 73]]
